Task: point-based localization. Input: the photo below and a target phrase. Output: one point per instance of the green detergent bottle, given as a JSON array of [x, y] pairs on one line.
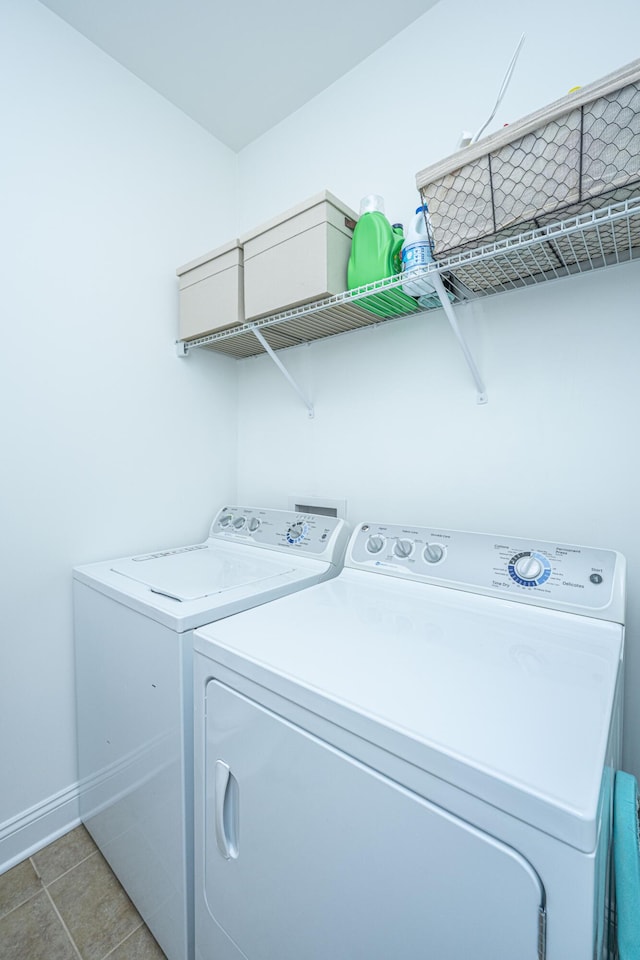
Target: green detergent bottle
[[375, 252]]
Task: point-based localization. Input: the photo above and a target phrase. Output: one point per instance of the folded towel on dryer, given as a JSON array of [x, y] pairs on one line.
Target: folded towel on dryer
[[626, 850]]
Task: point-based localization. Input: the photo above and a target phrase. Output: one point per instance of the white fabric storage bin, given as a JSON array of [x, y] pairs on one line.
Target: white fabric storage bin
[[211, 292], [298, 257]]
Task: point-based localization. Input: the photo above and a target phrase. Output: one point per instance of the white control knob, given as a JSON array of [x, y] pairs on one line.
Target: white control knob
[[296, 530], [225, 519], [403, 548], [433, 552], [239, 522], [375, 543], [528, 568], [254, 523]]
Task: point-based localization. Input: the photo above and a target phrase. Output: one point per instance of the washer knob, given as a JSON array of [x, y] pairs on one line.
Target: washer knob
[[375, 543], [296, 530], [433, 552], [254, 523], [239, 522], [225, 519], [529, 568], [403, 548]]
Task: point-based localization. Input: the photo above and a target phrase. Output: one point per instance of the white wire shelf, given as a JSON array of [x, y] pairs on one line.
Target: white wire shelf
[[577, 245], [312, 321]]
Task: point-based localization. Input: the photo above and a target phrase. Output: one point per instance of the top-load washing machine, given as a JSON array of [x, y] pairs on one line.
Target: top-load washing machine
[[415, 759], [134, 621]]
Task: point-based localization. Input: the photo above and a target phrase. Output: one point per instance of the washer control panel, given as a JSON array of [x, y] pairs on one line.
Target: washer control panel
[[584, 580], [307, 533]]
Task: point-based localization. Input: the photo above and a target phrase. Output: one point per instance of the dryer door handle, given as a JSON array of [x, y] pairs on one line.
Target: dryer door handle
[[226, 811]]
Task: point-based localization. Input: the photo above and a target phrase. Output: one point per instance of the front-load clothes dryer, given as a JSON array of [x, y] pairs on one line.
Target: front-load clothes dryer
[[134, 620], [414, 759]]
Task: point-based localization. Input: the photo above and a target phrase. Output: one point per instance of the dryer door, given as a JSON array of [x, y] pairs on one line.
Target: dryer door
[[308, 853]]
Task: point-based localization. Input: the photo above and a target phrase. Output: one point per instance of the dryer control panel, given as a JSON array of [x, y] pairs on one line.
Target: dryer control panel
[[585, 580], [305, 533]]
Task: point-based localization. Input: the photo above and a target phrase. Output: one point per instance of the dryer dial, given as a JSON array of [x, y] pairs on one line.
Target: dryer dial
[[403, 548], [433, 552], [297, 531], [239, 523], [225, 519], [253, 524], [529, 568], [375, 543]]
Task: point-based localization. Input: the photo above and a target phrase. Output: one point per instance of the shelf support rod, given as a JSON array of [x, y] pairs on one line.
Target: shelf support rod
[[436, 280], [278, 362]]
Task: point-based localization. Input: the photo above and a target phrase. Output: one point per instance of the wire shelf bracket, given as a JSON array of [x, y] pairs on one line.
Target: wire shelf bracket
[[283, 370], [450, 314]]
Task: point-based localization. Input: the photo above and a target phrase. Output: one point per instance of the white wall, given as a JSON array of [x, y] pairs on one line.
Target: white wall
[[110, 444], [397, 429], [404, 107]]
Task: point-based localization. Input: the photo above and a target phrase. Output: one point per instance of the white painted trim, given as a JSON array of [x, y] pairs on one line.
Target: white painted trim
[[41, 824]]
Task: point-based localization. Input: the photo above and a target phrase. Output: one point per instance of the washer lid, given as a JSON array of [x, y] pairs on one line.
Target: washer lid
[[196, 572]]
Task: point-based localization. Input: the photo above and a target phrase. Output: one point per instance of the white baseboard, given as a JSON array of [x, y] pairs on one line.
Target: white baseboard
[[34, 828]]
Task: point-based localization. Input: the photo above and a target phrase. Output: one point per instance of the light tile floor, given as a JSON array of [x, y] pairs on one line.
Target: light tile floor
[[64, 903]]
